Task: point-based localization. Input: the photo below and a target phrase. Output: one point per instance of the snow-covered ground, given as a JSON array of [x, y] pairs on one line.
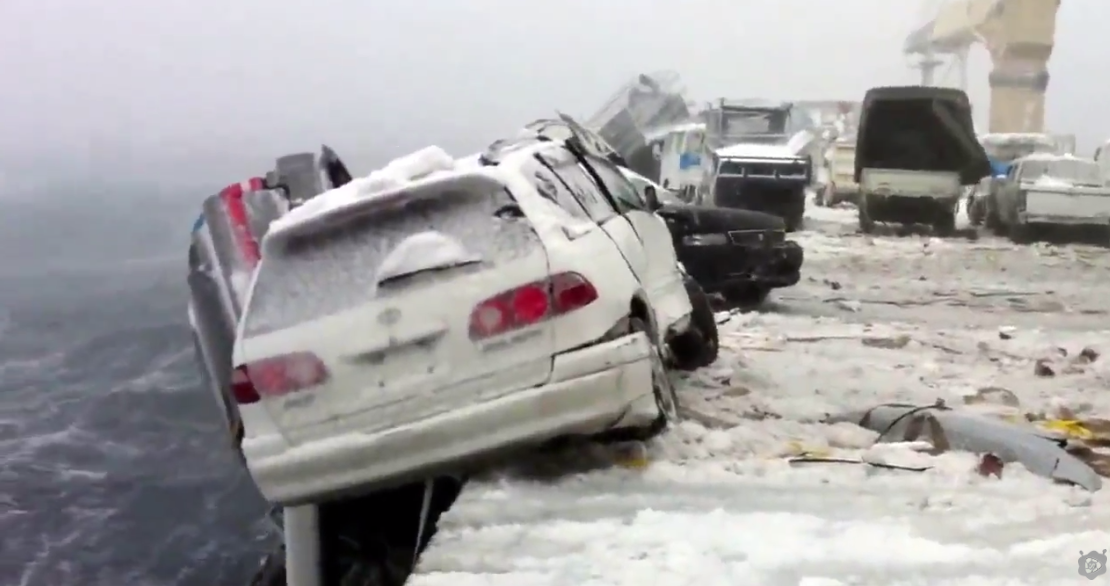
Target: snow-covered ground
[[875, 319]]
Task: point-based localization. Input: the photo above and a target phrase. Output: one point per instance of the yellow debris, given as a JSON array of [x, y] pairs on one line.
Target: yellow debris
[[1069, 427], [797, 449], [633, 456], [633, 462]]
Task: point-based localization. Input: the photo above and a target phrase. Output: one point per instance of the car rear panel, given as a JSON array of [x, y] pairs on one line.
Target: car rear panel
[[400, 350], [1064, 204]]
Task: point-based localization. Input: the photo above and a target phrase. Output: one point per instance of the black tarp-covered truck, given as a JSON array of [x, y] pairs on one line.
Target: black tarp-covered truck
[[916, 150]]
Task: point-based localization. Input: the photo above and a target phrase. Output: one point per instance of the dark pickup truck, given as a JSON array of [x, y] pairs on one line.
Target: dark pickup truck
[[739, 254]]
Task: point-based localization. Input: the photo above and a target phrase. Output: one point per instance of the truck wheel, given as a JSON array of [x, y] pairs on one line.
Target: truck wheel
[[945, 226], [1020, 233], [975, 211], [866, 224], [796, 222], [993, 221], [697, 346]]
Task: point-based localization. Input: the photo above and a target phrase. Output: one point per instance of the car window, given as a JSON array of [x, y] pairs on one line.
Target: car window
[[334, 268], [551, 187], [622, 190], [580, 185]]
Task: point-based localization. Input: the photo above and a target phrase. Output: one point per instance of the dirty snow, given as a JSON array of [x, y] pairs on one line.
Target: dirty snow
[[876, 319], [417, 165]]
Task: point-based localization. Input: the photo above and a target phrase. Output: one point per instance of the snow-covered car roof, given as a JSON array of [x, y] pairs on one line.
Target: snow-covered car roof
[[426, 163], [1001, 138], [1060, 170], [1048, 157]]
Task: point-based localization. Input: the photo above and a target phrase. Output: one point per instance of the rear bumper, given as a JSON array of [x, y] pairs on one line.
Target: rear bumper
[[1028, 218], [717, 268], [908, 209], [590, 390]]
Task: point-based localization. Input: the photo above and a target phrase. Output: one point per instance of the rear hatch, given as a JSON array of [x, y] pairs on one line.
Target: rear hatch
[[383, 295], [1086, 205], [919, 128], [1067, 202]]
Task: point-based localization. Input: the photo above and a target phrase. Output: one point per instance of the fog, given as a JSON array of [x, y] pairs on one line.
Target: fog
[[189, 95]]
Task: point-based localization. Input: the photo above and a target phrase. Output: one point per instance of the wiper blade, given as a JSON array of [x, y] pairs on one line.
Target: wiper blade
[[392, 279]]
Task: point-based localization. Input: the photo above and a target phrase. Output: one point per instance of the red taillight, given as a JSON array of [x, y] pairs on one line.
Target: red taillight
[[232, 195], [277, 376], [530, 304]]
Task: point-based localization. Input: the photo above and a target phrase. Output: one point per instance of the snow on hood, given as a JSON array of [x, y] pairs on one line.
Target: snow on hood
[[417, 165]]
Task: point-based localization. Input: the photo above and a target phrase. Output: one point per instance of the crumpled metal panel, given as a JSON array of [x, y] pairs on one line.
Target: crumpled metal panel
[[647, 102]]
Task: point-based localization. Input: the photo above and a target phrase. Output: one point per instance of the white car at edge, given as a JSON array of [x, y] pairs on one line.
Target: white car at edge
[[469, 309]]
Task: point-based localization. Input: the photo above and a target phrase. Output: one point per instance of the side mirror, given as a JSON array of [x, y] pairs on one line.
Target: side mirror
[[651, 198]]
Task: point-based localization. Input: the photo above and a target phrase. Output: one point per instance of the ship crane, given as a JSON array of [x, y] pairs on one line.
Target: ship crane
[[1017, 34]]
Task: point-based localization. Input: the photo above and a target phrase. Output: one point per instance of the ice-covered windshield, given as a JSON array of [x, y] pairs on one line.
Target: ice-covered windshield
[[462, 227], [1072, 170]]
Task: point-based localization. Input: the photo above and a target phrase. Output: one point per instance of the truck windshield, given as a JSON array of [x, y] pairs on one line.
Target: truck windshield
[[742, 125]]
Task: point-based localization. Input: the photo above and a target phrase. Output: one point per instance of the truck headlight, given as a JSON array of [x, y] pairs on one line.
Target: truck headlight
[[705, 240]]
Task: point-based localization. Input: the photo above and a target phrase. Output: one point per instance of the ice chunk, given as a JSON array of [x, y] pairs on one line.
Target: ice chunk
[[420, 164], [424, 251]]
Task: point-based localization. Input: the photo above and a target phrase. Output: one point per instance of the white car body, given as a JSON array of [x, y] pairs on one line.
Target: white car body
[[1055, 189], [402, 383]]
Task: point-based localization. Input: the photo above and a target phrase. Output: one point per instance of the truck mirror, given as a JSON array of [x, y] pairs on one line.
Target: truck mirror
[[651, 198]]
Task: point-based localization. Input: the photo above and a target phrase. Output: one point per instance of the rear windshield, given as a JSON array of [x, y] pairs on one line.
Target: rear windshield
[[1076, 171], [335, 269], [921, 134]]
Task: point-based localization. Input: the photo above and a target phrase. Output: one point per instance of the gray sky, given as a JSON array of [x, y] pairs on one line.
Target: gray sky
[[218, 88]]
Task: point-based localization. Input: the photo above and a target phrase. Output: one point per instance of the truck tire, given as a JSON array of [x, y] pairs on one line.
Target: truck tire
[[796, 221], [975, 211], [824, 197], [945, 226], [698, 346], [866, 224], [1020, 233], [992, 220]]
